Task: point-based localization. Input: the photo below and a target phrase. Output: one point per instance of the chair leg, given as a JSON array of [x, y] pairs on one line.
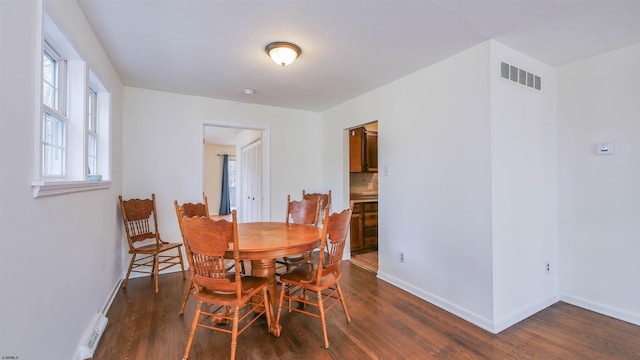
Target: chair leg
[[194, 324], [186, 297], [133, 260], [234, 331], [184, 275], [155, 270], [344, 303], [322, 319]]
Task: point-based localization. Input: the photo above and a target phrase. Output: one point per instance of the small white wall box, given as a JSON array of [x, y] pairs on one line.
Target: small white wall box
[[606, 149]]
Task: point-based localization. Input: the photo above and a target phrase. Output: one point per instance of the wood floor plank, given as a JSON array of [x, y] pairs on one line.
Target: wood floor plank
[[387, 323]]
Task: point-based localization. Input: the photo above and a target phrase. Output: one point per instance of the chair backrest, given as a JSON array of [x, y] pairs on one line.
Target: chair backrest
[[334, 236], [140, 219], [323, 199], [302, 211], [190, 210], [207, 242], [197, 209]]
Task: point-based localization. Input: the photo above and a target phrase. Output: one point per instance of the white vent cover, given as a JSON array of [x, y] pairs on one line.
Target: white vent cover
[[519, 76], [92, 336]]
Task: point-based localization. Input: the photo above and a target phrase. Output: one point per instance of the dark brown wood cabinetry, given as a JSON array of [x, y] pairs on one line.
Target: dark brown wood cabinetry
[[364, 226], [357, 241], [363, 150]]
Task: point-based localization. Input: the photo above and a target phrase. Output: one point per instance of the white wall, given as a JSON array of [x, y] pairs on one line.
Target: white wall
[[524, 189], [599, 210], [435, 203], [60, 255], [163, 141]]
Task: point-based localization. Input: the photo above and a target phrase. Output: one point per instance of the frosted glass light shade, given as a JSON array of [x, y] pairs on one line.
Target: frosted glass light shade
[[283, 53]]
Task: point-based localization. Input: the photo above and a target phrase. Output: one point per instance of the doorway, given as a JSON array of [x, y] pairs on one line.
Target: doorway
[[363, 191], [248, 168]]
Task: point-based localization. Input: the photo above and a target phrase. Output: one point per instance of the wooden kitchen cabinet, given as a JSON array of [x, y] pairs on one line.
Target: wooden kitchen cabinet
[[364, 226], [363, 150], [357, 229]]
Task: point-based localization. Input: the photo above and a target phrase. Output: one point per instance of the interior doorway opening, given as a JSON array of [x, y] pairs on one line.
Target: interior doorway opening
[[363, 191]]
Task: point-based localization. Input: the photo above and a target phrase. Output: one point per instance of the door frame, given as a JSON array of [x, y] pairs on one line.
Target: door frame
[[266, 151]]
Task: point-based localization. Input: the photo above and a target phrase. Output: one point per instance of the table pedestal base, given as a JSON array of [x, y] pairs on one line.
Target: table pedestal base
[[266, 268]]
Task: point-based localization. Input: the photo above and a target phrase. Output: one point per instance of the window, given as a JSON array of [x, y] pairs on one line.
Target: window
[[73, 125], [92, 133], [53, 115]]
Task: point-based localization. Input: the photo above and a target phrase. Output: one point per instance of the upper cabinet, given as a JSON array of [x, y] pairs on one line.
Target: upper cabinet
[[363, 150]]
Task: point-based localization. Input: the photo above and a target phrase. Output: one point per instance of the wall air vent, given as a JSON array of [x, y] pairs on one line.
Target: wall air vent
[[522, 77]]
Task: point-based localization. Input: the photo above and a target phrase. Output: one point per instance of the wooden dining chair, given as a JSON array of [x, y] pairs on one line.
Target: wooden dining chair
[[148, 250], [305, 212], [323, 199], [322, 276], [191, 210], [207, 242]]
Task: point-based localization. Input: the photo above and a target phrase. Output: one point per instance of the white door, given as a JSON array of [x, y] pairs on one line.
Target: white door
[[251, 162]]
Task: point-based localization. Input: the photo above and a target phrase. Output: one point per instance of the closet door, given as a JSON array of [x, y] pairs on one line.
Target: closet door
[[251, 160]]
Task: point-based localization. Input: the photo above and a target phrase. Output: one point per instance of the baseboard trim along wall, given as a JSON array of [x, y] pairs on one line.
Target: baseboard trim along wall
[[602, 309], [439, 302]]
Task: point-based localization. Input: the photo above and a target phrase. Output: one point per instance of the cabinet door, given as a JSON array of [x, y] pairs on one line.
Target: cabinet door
[[356, 232], [356, 150], [372, 151], [370, 231]]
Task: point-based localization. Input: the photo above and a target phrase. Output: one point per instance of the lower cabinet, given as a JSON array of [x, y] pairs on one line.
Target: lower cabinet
[[364, 226]]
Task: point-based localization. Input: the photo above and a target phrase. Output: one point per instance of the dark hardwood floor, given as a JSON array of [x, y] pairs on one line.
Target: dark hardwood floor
[[387, 323]]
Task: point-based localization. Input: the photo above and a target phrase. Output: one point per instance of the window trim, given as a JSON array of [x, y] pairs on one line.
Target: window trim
[[57, 45], [57, 111], [92, 131], [42, 188]]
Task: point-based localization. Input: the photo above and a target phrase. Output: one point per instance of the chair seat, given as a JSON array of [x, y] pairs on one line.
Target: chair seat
[[152, 248], [295, 259], [306, 274], [251, 285]]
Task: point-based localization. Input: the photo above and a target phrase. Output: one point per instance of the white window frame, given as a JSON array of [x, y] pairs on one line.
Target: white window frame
[[100, 115], [71, 108], [51, 114], [92, 132]]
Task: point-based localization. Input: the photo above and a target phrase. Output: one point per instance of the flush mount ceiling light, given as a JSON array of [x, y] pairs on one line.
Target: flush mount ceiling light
[[283, 53]]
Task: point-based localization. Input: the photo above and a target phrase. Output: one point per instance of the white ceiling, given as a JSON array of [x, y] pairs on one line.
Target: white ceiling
[[215, 48]]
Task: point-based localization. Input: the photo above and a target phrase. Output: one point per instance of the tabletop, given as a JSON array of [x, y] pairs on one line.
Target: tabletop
[[270, 240]]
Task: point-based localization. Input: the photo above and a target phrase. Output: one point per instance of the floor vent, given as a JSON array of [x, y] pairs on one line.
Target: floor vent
[[519, 76], [92, 336]]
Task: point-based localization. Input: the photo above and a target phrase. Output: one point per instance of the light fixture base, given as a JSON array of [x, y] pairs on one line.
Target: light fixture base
[[282, 52]]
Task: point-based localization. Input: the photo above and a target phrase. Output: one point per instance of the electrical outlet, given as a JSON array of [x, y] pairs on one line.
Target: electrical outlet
[[547, 266], [401, 257]]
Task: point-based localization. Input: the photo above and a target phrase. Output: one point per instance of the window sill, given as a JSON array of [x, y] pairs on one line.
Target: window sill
[[53, 188]]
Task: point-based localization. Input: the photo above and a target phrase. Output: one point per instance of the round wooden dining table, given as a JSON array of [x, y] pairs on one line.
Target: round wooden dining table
[[264, 242]]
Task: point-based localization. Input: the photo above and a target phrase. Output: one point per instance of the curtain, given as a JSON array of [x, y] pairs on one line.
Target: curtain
[[225, 202]]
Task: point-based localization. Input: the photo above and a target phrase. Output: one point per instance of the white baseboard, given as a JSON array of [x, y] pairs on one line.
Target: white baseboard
[[601, 309], [463, 313], [516, 317], [480, 321]]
